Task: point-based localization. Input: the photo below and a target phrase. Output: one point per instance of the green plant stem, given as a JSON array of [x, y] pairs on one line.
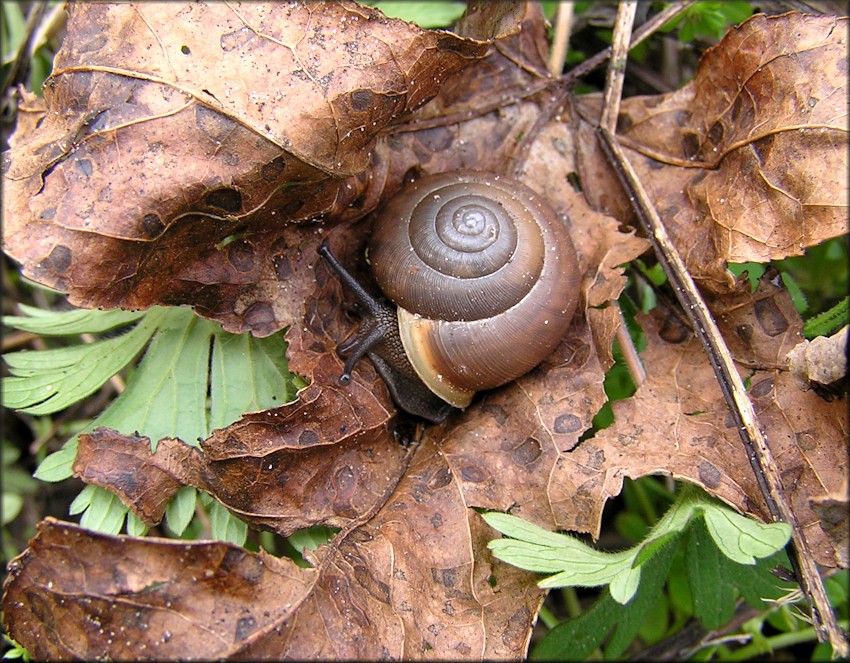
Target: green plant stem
[[571, 599], [548, 618], [646, 507], [778, 642]]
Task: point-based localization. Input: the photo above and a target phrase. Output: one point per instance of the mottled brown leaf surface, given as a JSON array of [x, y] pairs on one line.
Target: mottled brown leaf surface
[[281, 469], [180, 138], [78, 594], [747, 162], [409, 575], [678, 424]]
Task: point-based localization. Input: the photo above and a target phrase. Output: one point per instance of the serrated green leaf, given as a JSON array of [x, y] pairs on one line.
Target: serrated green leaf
[[105, 513], [743, 539], [248, 374], [713, 594], [47, 381], [179, 511], [68, 323], [523, 530], [224, 526], [82, 500], [166, 395]]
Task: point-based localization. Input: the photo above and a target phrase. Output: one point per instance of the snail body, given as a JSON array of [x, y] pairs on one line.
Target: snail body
[[484, 279]]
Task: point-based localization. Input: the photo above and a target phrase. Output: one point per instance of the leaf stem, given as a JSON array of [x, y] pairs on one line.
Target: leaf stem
[[776, 642]]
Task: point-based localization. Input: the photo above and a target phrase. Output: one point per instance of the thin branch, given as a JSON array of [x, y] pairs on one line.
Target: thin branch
[[616, 73], [561, 40], [643, 31]]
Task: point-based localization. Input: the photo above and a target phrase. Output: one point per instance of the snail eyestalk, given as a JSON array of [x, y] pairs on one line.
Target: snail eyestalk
[[378, 338]]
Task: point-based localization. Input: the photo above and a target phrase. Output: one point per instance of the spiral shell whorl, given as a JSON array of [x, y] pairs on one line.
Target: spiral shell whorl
[[470, 321], [470, 240]]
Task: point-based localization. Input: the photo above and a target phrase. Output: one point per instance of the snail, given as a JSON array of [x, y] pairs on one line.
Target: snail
[[483, 282]]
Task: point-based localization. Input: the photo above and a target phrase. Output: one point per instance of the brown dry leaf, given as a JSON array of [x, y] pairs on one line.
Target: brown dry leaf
[[180, 138], [283, 469], [79, 594], [678, 423], [833, 510], [410, 575], [747, 162]]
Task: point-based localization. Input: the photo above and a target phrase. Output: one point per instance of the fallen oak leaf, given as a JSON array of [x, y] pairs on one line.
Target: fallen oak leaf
[[166, 154], [283, 469], [143, 598], [747, 162]]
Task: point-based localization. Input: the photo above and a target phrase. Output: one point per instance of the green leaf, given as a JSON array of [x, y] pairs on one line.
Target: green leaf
[[225, 526], [68, 323], [438, 14], [193, 376], [588, 568], [312, 537], [523, 530], [179, 511], [248, 375], [575, 564], [50, 380], [11, 504], [81, 502], [625, 584], [14, 29], [736, 12], [135, 526], [756, 583], [828, 321], [105, 512], [713, 594], [166, 395], [578, 638], [797, 297], [58, 465], [743, 539], [16, 650], [650, 547]]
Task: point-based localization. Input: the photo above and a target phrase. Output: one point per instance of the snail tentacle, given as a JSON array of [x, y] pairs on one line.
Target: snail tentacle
[[378, 337]]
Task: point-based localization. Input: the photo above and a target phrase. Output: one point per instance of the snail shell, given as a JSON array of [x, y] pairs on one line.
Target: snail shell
[[484, 276]]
